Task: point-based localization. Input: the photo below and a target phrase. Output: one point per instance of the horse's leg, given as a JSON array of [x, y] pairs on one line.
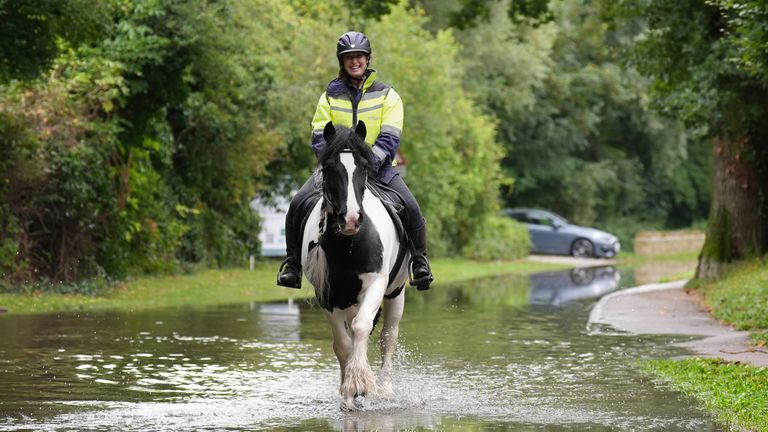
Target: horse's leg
[[342, 343], [393, 312], [358, 377]]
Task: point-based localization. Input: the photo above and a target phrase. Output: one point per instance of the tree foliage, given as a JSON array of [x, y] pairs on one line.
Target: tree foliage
[[581, 139], [449, 144], [134, 133], [706, 61], [149, 126], [137, 139]]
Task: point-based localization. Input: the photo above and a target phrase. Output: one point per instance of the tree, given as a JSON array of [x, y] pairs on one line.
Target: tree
[[579, 135], [707, 63], [142, 140], [453, 158]]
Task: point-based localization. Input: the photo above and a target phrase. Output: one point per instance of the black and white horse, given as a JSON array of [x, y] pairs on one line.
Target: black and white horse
[[349, 252]]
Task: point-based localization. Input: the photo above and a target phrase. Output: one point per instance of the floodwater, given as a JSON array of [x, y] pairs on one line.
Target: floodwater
[[509, 353]]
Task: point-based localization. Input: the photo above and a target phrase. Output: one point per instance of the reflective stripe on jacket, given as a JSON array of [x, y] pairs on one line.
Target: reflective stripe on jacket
[[377, 105]]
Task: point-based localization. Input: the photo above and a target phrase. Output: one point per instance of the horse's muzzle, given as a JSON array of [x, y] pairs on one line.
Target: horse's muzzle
[[350, 225]]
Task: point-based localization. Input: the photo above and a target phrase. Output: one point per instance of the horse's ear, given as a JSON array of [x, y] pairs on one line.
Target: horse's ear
[[329, 132], [360, 130]]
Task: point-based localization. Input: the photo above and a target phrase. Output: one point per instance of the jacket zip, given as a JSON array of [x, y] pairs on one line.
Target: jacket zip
[[356, 101]]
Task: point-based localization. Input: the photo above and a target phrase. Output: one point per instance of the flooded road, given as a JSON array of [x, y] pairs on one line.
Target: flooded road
[[509, 353]]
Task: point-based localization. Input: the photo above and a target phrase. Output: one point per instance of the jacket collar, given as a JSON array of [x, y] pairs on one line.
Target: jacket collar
[[338, 86]]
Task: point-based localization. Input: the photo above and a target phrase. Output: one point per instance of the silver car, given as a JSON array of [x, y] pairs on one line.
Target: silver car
[[552, 234]]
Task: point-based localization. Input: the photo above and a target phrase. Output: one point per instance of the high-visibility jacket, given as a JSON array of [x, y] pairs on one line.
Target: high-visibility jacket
[[378, 105]]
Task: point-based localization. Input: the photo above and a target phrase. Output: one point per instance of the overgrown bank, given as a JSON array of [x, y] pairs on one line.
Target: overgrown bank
[[212, 287]]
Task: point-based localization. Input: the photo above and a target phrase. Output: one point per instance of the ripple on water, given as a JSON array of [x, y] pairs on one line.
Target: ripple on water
[[487, 365]]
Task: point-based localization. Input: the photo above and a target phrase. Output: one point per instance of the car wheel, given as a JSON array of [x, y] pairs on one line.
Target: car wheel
[[582, 276], [582, 248]]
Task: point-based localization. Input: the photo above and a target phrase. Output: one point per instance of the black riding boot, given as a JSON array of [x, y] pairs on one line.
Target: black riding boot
[[421, 275], [289, 274]]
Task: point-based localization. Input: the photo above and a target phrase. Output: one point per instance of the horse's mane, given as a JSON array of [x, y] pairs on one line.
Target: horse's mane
[[346, 138]]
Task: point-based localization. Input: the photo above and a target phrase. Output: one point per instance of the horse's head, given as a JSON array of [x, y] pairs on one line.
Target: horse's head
[[345, 163]]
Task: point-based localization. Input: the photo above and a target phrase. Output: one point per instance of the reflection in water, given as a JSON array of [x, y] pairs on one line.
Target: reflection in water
[[477, 355], [558, 288], [280, 321], [653, 271]]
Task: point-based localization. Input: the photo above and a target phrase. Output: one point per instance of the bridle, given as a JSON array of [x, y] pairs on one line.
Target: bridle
[[327, 202]]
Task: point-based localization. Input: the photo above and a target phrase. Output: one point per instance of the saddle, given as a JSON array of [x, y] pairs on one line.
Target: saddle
[[393, 202]]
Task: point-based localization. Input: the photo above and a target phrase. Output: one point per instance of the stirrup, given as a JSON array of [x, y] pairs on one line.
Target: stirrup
[[422, 283], [288, 284]]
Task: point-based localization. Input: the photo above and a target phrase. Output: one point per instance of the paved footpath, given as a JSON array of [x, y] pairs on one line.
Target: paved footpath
[[667, 309]]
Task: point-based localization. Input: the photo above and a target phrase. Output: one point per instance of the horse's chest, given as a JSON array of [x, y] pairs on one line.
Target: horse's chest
[[347, 259]]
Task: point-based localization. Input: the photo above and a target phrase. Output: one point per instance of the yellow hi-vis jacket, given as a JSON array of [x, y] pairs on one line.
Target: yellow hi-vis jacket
[[378, 105]]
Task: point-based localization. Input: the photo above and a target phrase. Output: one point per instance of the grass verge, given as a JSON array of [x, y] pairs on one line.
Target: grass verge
[[226, 286], [736, 393], [740, 298]]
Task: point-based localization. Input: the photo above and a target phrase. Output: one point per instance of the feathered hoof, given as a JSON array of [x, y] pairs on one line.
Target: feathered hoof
[[355, 404], [358, 382], [385, 390]]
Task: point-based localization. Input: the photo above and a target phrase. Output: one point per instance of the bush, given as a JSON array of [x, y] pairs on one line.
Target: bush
[[498, 238]]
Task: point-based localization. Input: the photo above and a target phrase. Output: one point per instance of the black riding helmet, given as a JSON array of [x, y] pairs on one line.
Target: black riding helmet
[[351, 42]]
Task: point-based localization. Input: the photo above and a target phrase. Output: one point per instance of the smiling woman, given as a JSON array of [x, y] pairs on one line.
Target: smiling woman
[[356, 97]]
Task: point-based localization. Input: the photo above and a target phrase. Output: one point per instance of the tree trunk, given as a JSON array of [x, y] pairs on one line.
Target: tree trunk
[[738, 221]]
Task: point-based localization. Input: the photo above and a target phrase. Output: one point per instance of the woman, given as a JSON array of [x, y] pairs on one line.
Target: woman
[[356, 95]]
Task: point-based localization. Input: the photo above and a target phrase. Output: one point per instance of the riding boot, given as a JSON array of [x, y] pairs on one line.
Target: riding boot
[[289, 275], [421, 275]]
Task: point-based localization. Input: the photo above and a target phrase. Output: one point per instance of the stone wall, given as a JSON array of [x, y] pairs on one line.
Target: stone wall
[[668, 242]]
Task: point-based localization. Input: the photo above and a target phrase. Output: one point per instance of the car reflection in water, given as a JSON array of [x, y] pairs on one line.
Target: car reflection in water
[[558, 288]]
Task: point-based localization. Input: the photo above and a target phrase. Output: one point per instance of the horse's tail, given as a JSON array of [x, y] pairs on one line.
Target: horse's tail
[[317, 273]]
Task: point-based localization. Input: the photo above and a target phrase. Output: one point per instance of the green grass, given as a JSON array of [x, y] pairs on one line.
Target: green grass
[[212, 287], [736, 393], [631, 259], [740, 298]]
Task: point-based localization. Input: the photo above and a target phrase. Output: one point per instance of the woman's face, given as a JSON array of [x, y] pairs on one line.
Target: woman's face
[[355, 64]]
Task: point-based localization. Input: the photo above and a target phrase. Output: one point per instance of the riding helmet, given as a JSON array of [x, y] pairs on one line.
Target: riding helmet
[[352, 41]]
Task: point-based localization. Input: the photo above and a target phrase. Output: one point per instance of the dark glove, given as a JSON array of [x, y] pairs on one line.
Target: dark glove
[[379, 157]]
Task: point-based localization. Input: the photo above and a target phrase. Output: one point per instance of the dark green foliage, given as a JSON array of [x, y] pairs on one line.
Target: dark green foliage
[[474, 12], [54, 203], [580, 137], [370, 8], [692, 57], [30, 29], [134, 139], [498, 238], [706, 64], [163, 101]]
